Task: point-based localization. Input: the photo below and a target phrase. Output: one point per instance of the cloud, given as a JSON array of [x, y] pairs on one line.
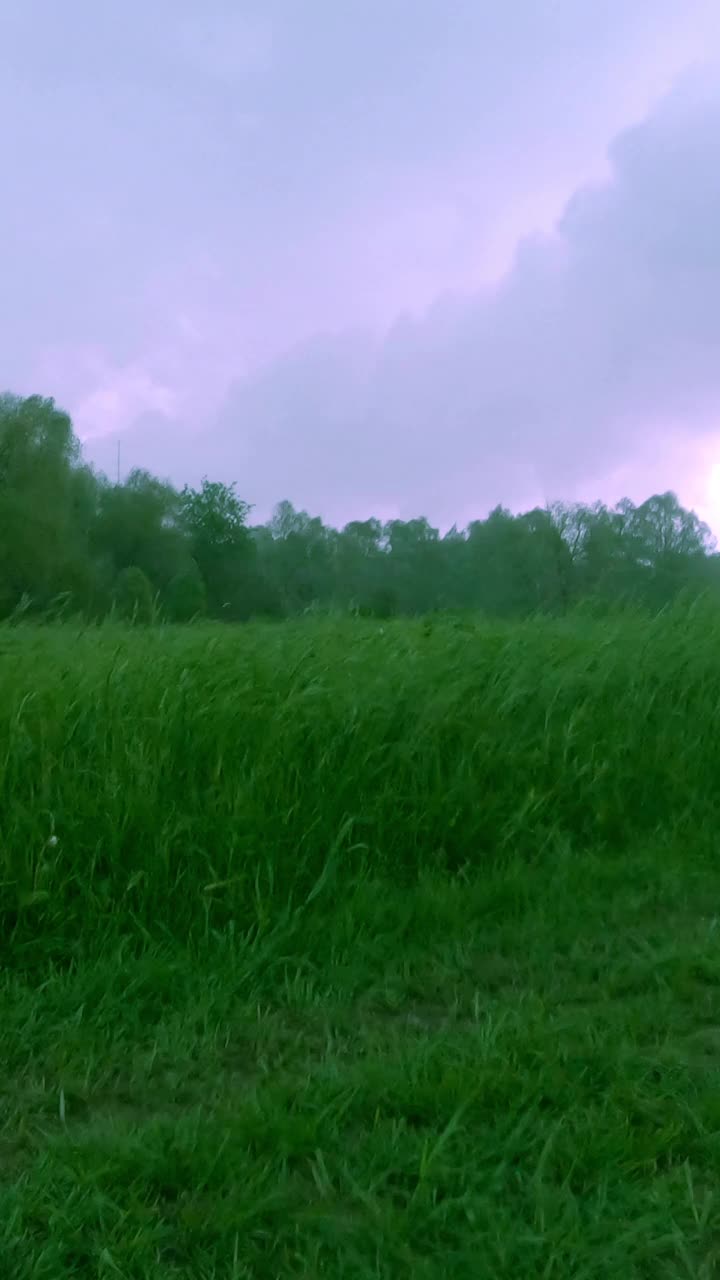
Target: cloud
[[596, 350], [340, 161], [122, 396], [193, 195]]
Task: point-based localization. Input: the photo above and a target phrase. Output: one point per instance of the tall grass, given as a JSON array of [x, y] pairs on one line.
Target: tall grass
[[176, 780], [451, 998]]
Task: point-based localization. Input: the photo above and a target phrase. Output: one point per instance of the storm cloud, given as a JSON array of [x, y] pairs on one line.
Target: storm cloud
[[395, 256], [596, 353]]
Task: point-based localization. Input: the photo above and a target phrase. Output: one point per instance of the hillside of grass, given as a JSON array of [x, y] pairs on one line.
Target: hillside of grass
[[337, 948]]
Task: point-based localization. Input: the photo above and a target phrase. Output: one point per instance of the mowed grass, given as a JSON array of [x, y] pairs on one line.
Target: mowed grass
[[357, 950]]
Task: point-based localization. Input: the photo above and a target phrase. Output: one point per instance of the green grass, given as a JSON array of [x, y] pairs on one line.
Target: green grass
[[337, 949]]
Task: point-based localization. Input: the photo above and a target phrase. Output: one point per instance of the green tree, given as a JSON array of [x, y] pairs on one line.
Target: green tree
[[185, 596], [361, 570], [69, 539], [43, 537], [133, 595], [301, 559], [138, 524], [414, 564], [215, 522]]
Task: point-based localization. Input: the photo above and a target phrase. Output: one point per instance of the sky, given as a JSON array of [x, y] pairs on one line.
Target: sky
[[389, 257]]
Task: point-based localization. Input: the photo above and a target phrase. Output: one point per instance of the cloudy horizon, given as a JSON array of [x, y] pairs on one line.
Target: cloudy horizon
[[391, 258]]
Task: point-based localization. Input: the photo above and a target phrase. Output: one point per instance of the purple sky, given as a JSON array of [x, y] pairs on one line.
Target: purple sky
[[390, 257]]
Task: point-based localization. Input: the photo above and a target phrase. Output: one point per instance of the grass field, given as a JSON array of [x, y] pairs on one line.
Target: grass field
[[352, 950]]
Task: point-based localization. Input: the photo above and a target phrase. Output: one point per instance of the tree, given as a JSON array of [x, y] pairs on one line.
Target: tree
[[301, 559], [42, 490], [628, 553], [185, 597], [672, 544], [70, 539], [138, 524], [215, 522], [133, 596], [361, 571], [414, 564]]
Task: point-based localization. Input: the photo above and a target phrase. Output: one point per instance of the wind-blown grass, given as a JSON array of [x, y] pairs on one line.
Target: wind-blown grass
[[342, 949], [208, 772]]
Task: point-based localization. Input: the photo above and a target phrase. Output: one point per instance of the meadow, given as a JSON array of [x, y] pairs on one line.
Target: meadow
[[340, 948]]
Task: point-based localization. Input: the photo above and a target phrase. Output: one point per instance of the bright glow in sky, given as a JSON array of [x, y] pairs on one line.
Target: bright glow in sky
[[374, 256]]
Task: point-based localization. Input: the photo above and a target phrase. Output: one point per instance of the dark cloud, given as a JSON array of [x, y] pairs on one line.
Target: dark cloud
[[601, 343]]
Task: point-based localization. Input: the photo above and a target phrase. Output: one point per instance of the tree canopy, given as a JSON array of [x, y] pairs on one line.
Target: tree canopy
[[72, 540]]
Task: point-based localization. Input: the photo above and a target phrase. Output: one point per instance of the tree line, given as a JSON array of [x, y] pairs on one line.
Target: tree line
[[73, 541]]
